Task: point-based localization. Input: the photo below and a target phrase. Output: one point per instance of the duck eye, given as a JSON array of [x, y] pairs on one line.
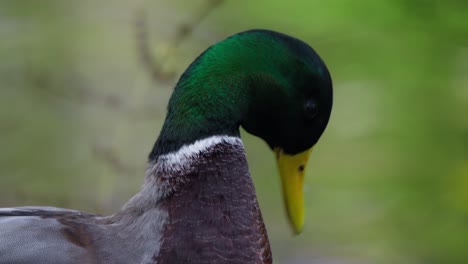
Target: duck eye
[[310, 109]]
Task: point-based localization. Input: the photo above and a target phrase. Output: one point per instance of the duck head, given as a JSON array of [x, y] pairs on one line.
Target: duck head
[[275, 86]]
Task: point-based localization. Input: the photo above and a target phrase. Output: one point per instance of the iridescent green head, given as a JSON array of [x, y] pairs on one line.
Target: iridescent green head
[[275, 86]]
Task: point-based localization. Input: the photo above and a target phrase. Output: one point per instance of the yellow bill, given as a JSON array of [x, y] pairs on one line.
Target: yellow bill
[[292, 169]]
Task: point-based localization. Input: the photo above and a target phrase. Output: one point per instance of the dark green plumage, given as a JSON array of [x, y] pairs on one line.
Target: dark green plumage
[[260, 80]]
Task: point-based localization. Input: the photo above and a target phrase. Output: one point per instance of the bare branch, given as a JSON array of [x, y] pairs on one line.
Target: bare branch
[[149, 61], [184, 31]]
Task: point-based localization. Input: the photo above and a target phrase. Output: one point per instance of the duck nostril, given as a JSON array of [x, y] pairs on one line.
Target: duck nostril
[[301, 168]]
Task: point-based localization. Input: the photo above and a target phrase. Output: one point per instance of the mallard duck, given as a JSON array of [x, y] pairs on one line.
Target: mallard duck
[[198, 202]]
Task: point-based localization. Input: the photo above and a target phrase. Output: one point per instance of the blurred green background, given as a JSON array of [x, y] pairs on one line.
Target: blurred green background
[[84, 86]]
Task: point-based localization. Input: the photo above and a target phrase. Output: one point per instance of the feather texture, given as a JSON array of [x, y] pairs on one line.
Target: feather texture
[[204, 211]]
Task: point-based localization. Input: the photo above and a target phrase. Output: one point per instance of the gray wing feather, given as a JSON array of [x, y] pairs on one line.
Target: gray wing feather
[[27, 238]]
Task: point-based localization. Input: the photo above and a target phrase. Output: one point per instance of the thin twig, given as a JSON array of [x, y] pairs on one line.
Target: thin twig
[[184, 31]]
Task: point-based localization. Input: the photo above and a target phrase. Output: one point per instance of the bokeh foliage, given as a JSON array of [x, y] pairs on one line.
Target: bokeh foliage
[[388, 183]]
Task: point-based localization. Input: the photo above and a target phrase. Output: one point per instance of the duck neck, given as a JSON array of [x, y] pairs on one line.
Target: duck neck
[[201, 106], [209, 197]]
